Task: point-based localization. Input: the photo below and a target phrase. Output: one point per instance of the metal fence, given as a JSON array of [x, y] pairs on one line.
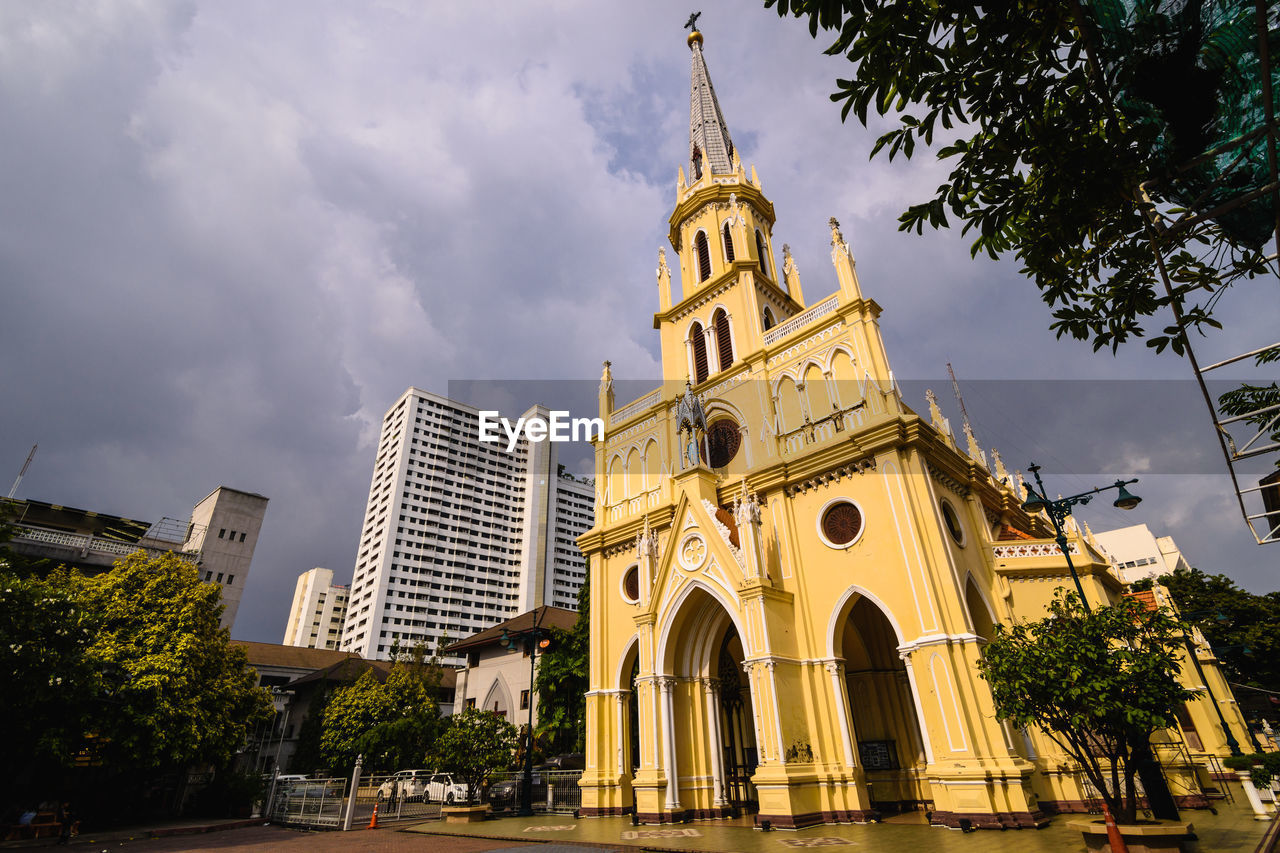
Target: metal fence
[[309, 802], [554, 791], [392, 802], [323, 802]]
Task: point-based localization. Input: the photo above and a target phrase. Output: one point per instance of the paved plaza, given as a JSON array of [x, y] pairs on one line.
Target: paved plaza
[[1232, 829]]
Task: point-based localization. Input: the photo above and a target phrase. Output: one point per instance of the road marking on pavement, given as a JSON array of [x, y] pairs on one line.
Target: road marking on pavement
[[815, 842], [632, 834], [563, 828]]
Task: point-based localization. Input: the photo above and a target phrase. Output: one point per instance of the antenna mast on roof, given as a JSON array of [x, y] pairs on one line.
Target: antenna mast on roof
[[25, 465], [955, 386]]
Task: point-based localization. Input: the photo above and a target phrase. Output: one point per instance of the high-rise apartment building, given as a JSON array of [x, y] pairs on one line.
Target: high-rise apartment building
[[315, 618], [460, 534]]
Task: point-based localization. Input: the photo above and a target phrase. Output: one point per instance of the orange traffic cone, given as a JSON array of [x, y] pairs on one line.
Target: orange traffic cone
[[1113, 832], [373, 821]]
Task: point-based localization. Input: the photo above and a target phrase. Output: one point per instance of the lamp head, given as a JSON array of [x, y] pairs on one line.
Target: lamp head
[[1034, 502], [505, 642], [1126, 499]]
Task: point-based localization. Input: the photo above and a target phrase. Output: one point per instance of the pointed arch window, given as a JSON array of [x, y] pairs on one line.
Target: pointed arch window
[[728, 244], [769, 322], [764, 263], [698, 341], [724, 339], [703, 253]]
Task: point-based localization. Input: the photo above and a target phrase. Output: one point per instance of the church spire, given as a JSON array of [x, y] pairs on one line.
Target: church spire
[[709, 144]]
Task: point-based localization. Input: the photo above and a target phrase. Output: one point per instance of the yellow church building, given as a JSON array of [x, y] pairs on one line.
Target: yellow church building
[[793, 574]]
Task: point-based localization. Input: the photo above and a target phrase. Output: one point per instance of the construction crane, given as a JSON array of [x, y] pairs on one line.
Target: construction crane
[[25, 465]]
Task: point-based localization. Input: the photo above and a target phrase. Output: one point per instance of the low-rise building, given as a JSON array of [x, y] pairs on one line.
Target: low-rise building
[[500, 678], [218, 539], [1138, 553]]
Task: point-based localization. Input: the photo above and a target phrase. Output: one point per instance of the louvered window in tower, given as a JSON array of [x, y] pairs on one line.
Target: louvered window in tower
[[724, 341], [703, 254], [728, 244], [764, 264], [698, 339]]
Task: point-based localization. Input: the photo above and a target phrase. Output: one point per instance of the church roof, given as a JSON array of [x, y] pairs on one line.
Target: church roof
[[708, 134], [545, 616]]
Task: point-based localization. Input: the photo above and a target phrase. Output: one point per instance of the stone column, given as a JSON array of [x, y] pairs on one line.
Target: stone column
[[667, 685], [836, 670], [712, 693]]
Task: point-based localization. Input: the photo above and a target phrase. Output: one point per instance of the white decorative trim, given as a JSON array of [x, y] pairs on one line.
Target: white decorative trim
[[647, 401], [862, 527], [1032, 549], [936, 640], [943, 506], [724, 533], [802, 319], [622, 583]]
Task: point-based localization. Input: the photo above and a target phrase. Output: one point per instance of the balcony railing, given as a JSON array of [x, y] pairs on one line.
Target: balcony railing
[[802, 319]]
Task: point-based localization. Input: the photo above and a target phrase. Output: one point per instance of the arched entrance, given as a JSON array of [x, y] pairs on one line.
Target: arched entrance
[[707, 726], [886, 722], [737, 732]]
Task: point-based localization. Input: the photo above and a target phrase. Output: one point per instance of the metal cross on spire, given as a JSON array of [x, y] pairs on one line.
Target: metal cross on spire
[[692, 23]]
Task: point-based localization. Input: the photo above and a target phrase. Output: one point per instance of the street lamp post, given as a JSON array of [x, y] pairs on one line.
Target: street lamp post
[[534, 638], [1061, 508]]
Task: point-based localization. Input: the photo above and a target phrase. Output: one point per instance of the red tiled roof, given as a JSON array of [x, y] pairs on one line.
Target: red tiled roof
[[1012, 534], [1146, 598]]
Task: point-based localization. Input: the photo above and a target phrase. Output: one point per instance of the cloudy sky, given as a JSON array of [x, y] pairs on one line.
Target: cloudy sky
[[234, 232]]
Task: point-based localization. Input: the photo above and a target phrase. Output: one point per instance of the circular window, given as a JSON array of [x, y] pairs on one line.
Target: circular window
[[723, 441], [952, 521], [631, 584], [840, 523]]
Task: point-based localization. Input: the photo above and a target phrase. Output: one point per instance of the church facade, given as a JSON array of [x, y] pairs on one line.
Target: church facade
[[793, 574]]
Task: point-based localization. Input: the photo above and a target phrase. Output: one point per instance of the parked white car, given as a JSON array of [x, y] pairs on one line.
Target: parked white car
[[441, 788], [407, 784], [423, 785]]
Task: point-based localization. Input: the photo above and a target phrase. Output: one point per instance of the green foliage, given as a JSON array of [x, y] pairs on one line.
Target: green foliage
[[474, 746], [184, 693], [51, 683], [1043, 165], [1262, 766], [350, 712], [392, 724], [128, 670], [562, 685], [1098, 684], [1243, 628]]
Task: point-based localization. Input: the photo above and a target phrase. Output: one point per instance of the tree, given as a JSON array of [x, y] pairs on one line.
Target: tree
[[391, 723], [128, 670], [1045, 166], [350, 712], [474, 746], [562, 684], [50, 680], [1243, 628], [178, 692], [1098, 684]]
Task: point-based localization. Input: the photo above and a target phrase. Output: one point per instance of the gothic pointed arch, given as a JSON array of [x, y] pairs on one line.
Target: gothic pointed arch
[[728, 243], [761, 254]]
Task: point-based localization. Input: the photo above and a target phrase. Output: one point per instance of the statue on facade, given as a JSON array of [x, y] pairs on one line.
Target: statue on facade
[[691, 425]]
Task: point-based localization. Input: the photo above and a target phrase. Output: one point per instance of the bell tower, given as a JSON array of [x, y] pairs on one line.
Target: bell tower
[[732, 289]]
